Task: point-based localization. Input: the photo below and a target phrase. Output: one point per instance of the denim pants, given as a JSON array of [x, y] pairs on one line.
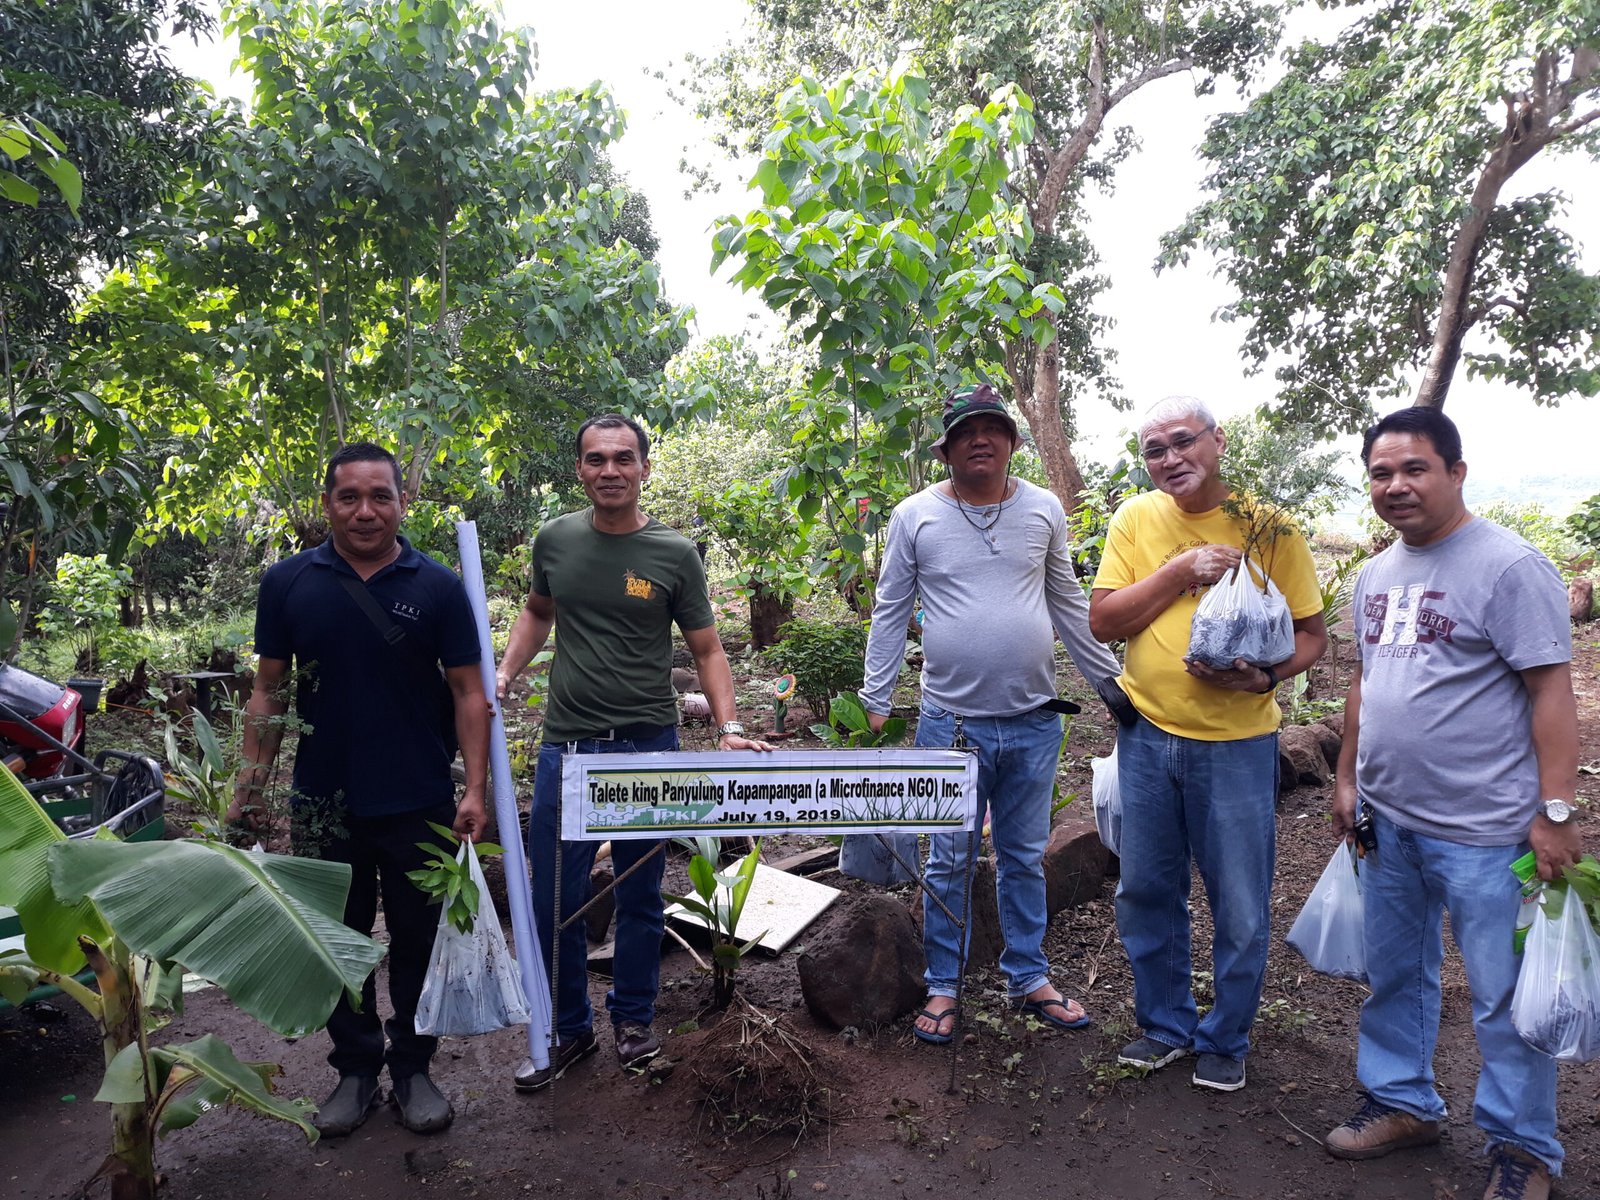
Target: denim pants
[[1017, 759], [636, 969], [1406, 888], [1217, 802]]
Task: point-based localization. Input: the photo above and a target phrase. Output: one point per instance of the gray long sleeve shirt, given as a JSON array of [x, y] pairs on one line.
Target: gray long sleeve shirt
[[992, 602]]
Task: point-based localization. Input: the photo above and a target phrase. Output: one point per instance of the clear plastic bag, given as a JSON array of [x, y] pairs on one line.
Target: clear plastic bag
[[1328, 930], [1556, 1007], [862, 856], [1236, 619], [1107, 801], [473, 985]]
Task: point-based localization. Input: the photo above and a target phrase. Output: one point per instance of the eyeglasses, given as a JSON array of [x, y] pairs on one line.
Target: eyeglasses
[[1179, 445]]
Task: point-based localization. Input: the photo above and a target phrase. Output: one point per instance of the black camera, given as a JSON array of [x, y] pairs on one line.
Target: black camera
[[1366, 835]]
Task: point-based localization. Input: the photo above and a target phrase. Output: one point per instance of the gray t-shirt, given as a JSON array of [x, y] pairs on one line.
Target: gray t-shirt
[[992, 602], [1446, 744]]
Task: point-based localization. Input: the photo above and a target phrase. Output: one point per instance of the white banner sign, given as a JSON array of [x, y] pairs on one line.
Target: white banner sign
[[606, 796]]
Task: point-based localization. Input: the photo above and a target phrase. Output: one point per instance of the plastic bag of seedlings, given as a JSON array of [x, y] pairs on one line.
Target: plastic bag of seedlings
[[1237, 619], [863, 856], [1556, 1007], [472, 985], [1107, 801], [1328, 931]]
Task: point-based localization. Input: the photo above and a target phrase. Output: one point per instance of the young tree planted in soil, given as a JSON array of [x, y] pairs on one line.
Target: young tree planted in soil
[[266, 929], [1360, 206], [719, 903]]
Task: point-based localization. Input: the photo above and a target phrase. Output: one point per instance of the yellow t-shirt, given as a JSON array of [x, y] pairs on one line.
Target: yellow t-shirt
[[1149, 531]]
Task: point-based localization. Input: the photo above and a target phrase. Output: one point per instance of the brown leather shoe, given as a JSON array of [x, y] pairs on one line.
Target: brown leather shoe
[[636, 1045], [1514, 1174], [1378, 1129]]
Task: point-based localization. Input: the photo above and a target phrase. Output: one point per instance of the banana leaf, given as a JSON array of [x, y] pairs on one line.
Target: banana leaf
[[202, 1075], [265, 928], [50, 927]]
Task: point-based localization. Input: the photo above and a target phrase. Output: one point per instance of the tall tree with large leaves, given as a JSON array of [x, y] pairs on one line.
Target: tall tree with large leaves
[[1359, 207], [1078, 62], [402, 240], [98, 129]]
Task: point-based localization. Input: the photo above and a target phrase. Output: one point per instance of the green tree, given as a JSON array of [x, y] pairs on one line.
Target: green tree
[[1357, 207], [402, 241], [897, 250], [1077, 62]]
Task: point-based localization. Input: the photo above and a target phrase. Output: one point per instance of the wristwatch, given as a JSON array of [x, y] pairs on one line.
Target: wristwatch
[[1557, 812], [728, 727]]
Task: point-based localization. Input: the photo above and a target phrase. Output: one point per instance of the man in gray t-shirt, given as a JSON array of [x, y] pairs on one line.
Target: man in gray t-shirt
[[989, 557], [1461, 742]]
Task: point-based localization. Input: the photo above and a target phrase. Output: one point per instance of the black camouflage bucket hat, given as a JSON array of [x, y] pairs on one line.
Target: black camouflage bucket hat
[[970, 401]]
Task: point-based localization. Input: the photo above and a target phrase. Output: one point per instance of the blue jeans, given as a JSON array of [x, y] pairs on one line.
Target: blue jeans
[[1217, 802], [636, 969], [1406, 887], [1016, 766]]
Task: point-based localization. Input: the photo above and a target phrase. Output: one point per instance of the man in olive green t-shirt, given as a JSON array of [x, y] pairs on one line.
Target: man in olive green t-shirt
[[616, 581]]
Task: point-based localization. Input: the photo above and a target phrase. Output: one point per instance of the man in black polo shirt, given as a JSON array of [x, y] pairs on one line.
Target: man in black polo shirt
[[615, 581], [374, 765]]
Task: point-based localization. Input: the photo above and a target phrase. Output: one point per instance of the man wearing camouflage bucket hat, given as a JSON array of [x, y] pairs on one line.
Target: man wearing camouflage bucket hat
[[989, 557]]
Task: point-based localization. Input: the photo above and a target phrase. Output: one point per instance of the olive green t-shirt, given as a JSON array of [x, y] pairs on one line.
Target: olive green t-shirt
[[617, 596]]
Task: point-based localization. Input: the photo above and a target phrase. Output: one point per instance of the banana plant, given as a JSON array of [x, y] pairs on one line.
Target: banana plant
[[267, 929], [719, 903]]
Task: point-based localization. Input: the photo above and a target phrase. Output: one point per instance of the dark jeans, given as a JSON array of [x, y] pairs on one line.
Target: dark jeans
[[636, 969], [380, 850]]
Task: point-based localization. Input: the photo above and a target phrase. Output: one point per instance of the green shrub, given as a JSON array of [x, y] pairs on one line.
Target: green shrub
[[1551, 537], [1583, 526], [825, 659]]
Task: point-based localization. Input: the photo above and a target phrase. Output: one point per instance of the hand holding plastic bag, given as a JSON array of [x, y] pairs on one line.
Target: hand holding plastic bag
[[1328, 931], [1236, 619], [473, 985], [1556, 1007], [1107, 801]]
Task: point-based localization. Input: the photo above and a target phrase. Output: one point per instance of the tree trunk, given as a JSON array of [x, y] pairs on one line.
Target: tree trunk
[[130, 1167], [1041, 405], [768, 614]]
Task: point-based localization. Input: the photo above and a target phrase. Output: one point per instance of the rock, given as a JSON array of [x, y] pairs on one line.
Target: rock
[[598, 918], [684, 680], [1580, 599], [987, 941], [1288, 774], [1335, 722], [862, 964], [1074, 865], [1329, 741], [1303, 750]]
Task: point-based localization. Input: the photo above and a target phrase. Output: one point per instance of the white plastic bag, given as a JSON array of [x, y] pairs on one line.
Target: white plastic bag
[[1237, 619], [1107, 801], [473, 985], [1556, 1007], [1328, 930]]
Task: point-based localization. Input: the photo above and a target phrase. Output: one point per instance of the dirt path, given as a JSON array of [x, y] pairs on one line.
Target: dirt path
[[1033, 1114]]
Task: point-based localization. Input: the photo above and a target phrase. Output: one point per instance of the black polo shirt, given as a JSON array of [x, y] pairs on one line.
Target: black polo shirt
[[378, 720]]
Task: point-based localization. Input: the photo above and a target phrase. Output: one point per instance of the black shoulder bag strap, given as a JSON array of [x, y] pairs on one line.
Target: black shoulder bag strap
[[427, 676]]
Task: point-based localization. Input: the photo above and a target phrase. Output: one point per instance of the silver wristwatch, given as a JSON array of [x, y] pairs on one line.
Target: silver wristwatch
[[1557, 812], [728, 727]]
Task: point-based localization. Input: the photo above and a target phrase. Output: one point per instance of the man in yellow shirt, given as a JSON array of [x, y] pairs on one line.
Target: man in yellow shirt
[[1198, 770]]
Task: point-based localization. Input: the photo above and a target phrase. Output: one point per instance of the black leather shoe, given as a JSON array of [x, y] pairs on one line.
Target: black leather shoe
[[352, 1102], [636, 1045], [561, 1057], [423, 1109]]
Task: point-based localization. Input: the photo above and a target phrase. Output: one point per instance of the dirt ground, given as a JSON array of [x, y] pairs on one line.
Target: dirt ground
[[1031, 1114]]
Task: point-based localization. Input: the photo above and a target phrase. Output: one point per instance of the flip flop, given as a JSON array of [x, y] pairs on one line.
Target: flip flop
[[938, 1018], [1040, 1010]]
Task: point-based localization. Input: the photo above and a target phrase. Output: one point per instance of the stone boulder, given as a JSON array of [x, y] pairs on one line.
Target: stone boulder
[[1075, 861], [862, 963], [1304, 752], [1580, 600], [1328, 740]]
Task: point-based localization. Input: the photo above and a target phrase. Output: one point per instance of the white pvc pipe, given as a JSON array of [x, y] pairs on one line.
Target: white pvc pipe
[[530, 959]]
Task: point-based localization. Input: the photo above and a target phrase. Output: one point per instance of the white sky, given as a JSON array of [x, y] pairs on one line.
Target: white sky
[[1164, 335]]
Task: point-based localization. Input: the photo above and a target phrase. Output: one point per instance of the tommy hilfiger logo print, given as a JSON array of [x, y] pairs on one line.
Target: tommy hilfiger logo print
[[1404, 618], [641, 589]]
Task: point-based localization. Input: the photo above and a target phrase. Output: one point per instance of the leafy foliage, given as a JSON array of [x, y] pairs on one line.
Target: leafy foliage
[[1275, 480], [1356, 207], [825, 659], [1550, 537], [1583, 525], [849, 727], [447, 876], [719, 902]]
